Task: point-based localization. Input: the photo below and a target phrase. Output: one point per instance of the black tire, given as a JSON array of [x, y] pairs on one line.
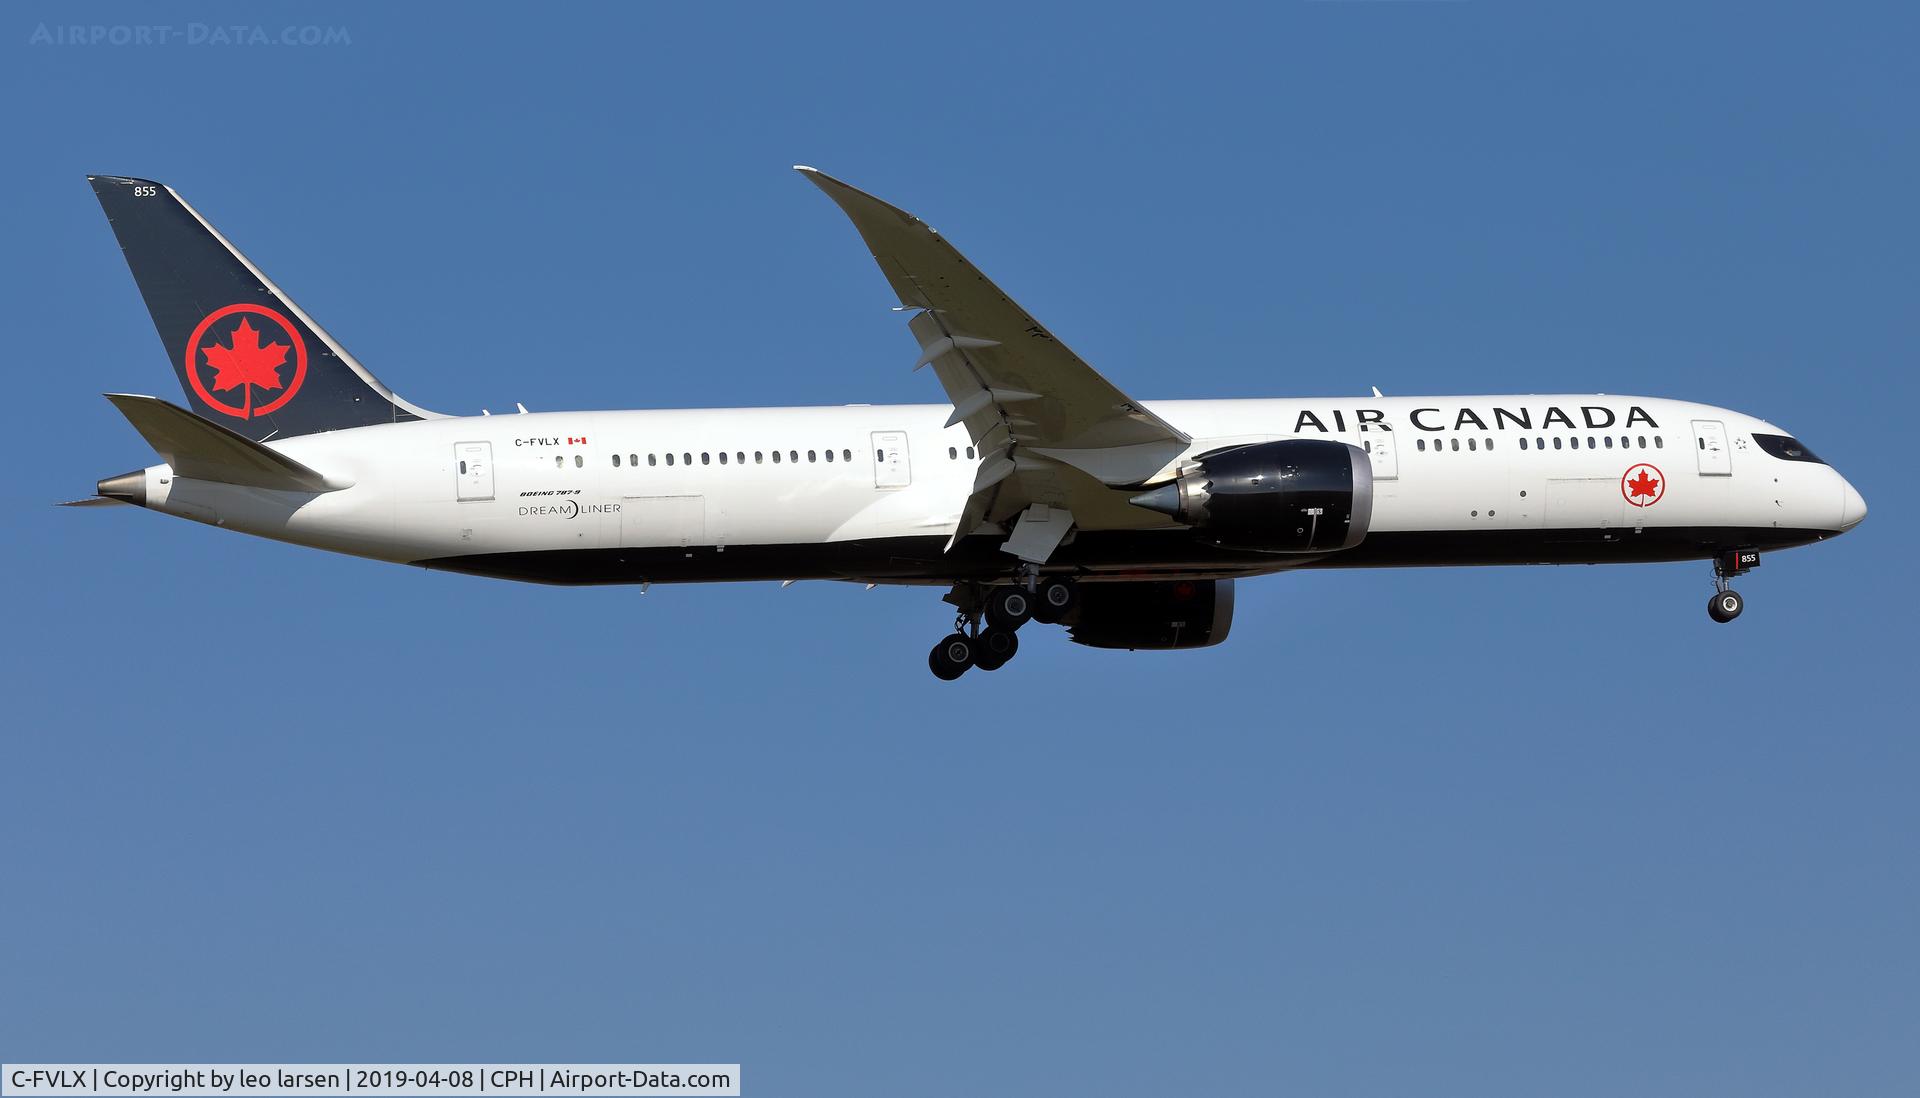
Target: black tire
[[1725, 606], [994, 648], [1009, 608], [1055, 600], [951, 657]]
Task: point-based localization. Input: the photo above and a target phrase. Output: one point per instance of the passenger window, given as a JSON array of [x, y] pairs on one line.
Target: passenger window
[[1556, 442], [1420, 444], [1456, 445], [1489, 444], [953, 453], [616, 461], [634, 460], [579, 461], [669, 459], [969, 453], [686, 458], [1659, 443], [1523, 443], [723, 457], [706, 457], [1539, 443], [879, 457], [463, 468], [651, 460], [813, 455], [759, 456], [559, 462], [1473, 444], [1609, 442], [776, 457], [793, 456], [1591, 444], [846, 455], [739, 457]]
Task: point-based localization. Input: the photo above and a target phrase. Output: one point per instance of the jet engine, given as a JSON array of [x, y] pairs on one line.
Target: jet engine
[[1296, 495], [1153, 614]]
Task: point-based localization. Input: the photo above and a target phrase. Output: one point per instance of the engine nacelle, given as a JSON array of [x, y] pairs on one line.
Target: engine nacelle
[[1295, 495], [1153, 614]]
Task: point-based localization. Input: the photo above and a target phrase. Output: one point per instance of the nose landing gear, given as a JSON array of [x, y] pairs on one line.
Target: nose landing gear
[[1726, 603]]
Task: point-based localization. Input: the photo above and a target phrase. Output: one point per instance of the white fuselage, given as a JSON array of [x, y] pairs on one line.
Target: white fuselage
[[875, 492]]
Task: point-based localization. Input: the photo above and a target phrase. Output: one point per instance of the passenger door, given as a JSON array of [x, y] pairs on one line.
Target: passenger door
[[1710, 447], [1380, 450], [891, 466], [474, 476]]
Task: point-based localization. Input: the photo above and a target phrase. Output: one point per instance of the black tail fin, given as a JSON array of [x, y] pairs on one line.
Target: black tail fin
[[247, 356]]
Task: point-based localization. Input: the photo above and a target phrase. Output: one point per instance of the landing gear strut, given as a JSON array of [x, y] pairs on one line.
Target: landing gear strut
[[1726, 603]]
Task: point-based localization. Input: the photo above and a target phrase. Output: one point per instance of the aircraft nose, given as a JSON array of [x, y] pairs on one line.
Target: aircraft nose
[[1853, 507]]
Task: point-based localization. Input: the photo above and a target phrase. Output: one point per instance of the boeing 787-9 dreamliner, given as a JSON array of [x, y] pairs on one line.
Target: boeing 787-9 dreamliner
[[1037, 491]]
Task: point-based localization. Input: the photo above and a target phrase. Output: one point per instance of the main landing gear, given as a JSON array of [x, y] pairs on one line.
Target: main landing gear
[[969, 645], [1006, 608], [1726, 603]]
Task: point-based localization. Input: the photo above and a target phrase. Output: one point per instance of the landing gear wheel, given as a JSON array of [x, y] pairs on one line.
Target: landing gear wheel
[[994, 648], [1009, 608], [951, 657], [1055, 600], [1725, 605]]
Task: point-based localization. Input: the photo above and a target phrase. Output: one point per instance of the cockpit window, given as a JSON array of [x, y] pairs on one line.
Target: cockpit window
[[1786, 448]]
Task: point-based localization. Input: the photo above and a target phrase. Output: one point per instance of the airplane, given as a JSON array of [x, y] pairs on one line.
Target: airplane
[[1038, 492]]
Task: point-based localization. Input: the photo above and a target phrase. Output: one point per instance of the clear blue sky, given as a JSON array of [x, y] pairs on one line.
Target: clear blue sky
[[1465, 832]]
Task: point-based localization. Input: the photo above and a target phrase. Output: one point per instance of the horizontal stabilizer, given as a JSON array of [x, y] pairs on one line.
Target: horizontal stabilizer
[[204, 450]]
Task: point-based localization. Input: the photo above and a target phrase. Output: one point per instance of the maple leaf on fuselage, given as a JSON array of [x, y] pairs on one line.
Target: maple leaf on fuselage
[[1643, 485], [246, 362]]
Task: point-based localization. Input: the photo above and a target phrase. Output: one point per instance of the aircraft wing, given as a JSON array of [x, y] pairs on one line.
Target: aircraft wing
[[1049, 429]]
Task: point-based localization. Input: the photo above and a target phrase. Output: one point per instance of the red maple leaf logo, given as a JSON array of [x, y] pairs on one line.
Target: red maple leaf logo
[[1642, 485], [245, 362]]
